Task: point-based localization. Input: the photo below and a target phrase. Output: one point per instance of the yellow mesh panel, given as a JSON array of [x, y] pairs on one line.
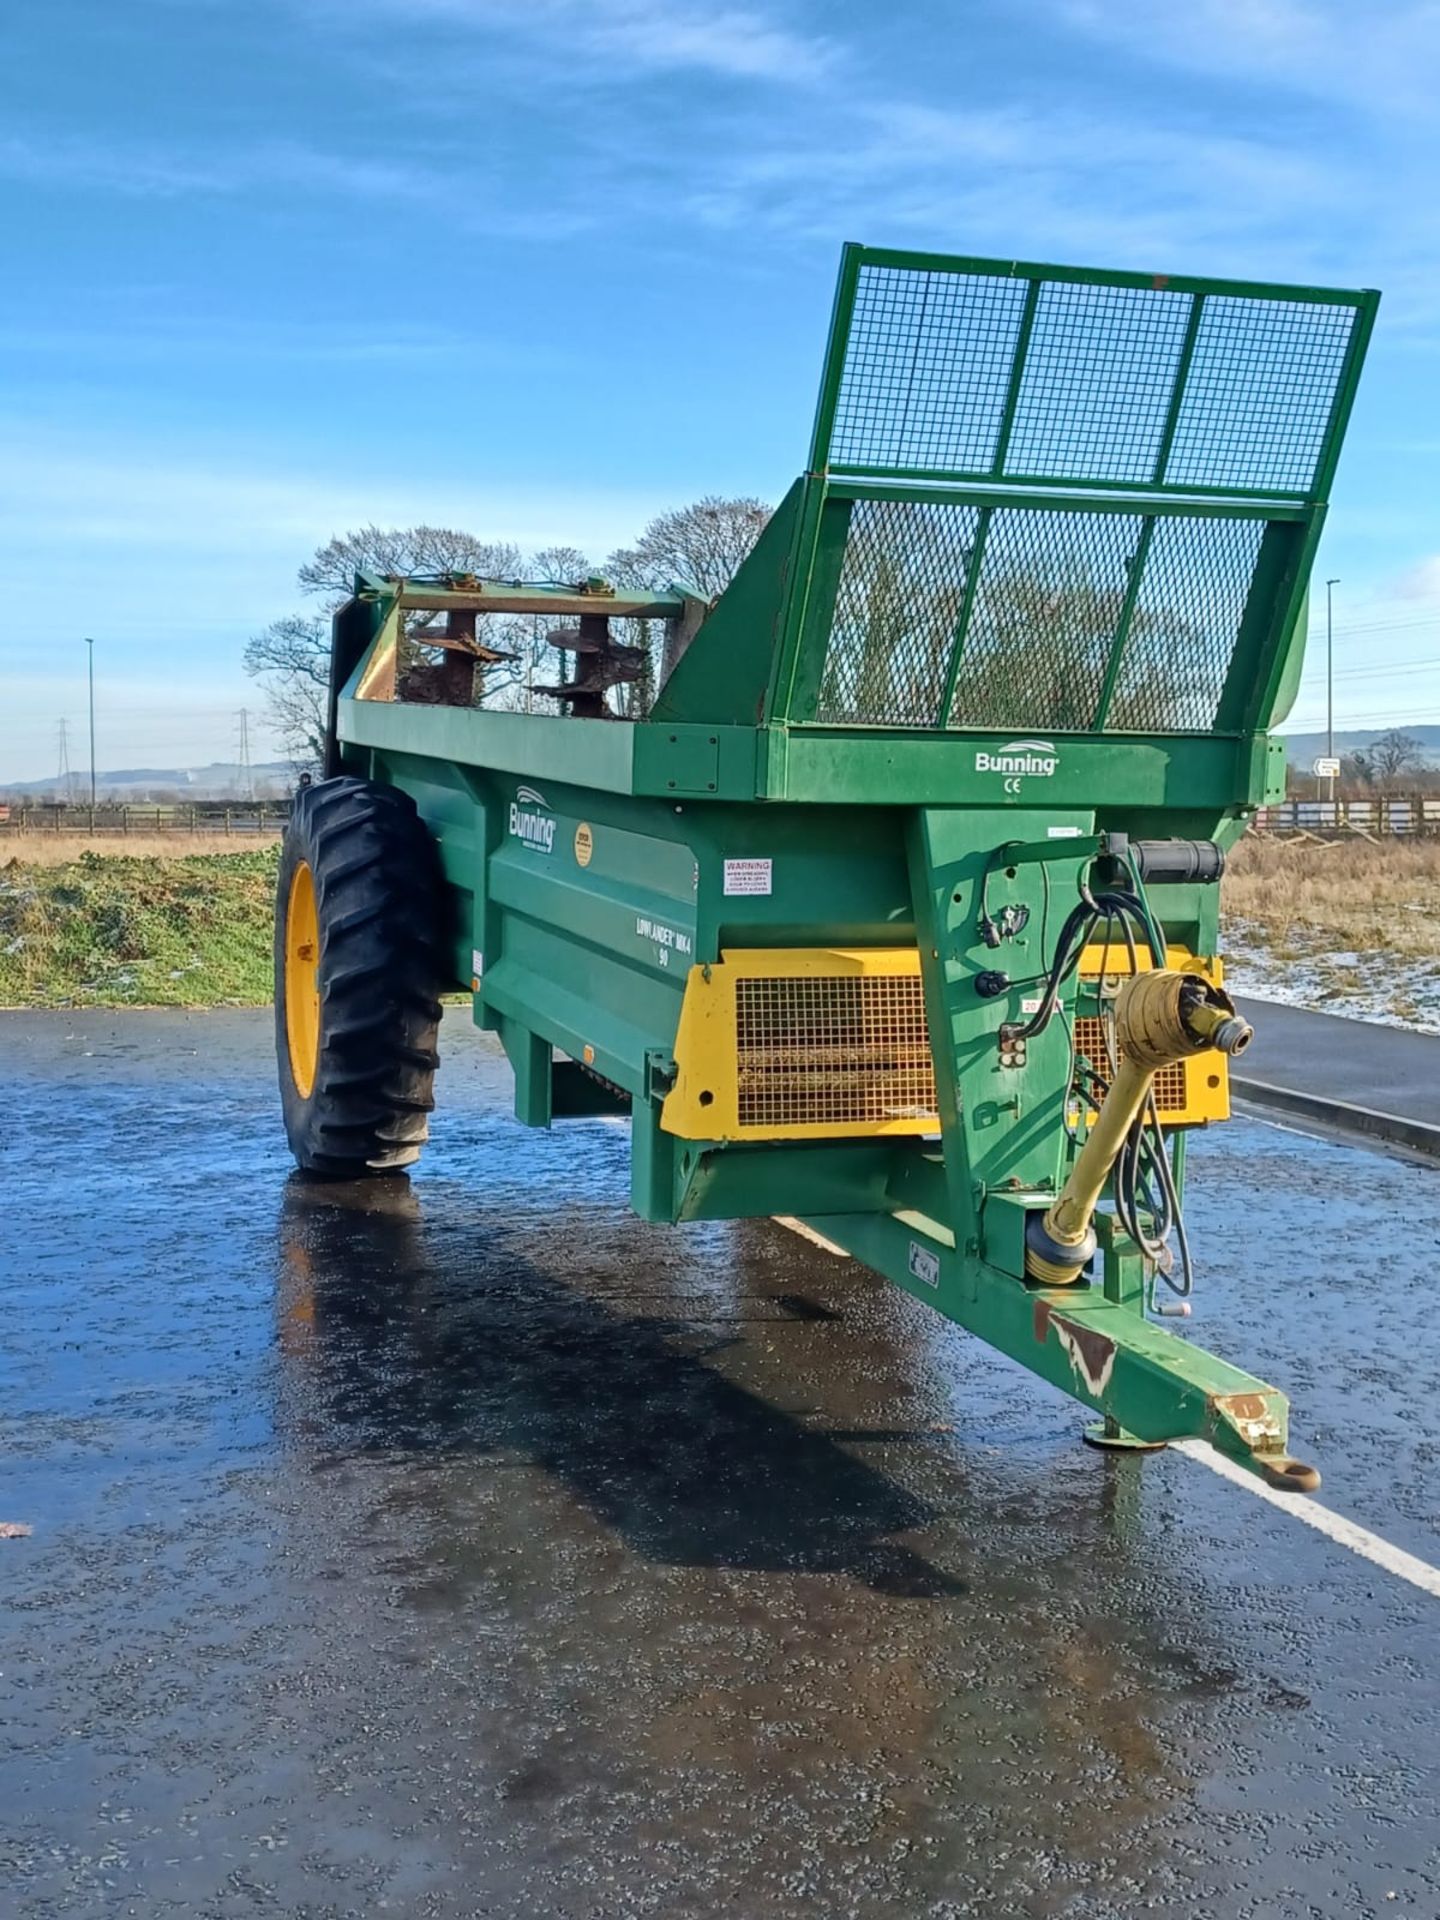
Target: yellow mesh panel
[[813, 1043], [1172, 1089], [825, 1049]]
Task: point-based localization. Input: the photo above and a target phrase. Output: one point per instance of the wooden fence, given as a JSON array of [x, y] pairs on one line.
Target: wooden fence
[[237, 817], [1410, 813]]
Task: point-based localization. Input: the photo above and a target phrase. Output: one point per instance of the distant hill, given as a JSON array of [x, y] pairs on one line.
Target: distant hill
[[221, 780], [1301, 748]]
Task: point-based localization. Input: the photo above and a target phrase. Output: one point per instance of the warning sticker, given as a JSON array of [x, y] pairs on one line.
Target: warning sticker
[[924, 1265], [747, 876]]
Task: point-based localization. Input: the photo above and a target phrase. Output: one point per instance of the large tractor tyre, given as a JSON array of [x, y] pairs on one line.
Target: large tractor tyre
[[358, 971]]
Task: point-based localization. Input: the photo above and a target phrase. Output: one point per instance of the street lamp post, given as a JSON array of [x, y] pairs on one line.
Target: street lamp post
[[1330, 586], [91, 656]]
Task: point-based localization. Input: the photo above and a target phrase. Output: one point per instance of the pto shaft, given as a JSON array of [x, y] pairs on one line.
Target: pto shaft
[[1160, 1017]]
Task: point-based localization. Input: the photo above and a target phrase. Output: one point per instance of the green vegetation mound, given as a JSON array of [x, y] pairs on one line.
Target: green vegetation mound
[[107, 931]]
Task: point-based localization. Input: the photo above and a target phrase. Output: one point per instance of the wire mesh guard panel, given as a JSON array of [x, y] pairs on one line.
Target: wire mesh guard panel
[[897, 608], [927, 369], [1184, 625], [1170, 1083], [1098, 375], [1043, 620], [1259, 394], [1019, 611], [1114, 385], [822, 1049]]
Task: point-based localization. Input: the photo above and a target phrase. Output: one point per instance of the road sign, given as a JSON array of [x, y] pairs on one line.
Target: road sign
[[1324, 767]]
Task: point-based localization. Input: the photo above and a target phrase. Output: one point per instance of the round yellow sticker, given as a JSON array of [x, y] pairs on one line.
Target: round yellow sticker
[[584, 844]]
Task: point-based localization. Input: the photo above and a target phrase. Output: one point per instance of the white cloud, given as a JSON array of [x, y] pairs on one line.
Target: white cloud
[[160, 172], [1160, 182], [468, 200], [1007, 179], [1381, 57], [150, 329], [654, 36], [736, 41], [1420, 582], [83, 497], [1346, 87]]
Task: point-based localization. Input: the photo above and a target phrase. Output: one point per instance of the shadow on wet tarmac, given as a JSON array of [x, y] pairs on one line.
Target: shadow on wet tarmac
[[627, 1411]]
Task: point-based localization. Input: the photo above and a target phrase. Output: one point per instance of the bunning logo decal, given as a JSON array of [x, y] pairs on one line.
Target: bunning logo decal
[[531, 821], [1019, 759]]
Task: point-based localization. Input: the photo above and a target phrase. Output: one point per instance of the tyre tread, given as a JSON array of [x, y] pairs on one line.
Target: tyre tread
[[379, 896]]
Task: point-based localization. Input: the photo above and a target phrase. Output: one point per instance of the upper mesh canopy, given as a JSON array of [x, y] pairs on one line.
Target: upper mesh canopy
[[1026, 375]]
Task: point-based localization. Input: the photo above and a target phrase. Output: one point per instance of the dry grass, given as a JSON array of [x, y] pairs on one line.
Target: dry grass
[[1349, 927], [58, 849], [1350, 894]]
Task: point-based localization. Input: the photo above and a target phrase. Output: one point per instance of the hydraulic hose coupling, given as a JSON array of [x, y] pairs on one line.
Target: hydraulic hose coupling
[[1166, 1016], [1160, 1017]]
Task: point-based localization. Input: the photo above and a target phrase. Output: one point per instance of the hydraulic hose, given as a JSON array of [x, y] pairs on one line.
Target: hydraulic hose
[[1160, 1017]]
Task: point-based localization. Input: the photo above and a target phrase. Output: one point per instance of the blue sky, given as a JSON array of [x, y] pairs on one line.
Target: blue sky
[[280, 267]]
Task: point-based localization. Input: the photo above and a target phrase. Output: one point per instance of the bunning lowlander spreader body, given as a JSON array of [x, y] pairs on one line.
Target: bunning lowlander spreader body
[[897, 913]]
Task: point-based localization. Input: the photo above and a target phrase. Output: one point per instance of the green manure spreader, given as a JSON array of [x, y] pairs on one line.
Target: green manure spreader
[[897, 912]]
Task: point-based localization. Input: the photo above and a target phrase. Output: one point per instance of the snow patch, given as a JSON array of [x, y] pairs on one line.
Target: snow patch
[[1390, 989]]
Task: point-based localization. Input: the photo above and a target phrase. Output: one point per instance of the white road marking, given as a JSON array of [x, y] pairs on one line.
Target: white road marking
[[1300, 1506], [793, 1225]]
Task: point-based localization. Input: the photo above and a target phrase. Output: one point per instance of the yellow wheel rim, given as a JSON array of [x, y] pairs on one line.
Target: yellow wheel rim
[[302, 980]]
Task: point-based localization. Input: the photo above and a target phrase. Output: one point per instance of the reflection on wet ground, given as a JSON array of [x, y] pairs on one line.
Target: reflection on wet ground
[[463, 1546]]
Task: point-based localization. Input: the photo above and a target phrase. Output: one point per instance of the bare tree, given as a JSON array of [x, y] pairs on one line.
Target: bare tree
[[1038, 640], [701, 547], [895, 613], [698, 546], [1385, 761], [401, 551], [1039, 634], [291, 658], [291, 661]]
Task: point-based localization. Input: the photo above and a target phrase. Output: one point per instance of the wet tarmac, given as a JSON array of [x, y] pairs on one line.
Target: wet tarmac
[[463, 1547], [1386, 1068]]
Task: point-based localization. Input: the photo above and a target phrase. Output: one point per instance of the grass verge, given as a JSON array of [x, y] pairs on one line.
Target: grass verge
[[113, 930]]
